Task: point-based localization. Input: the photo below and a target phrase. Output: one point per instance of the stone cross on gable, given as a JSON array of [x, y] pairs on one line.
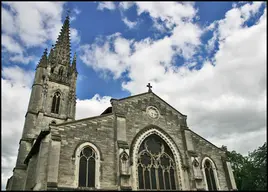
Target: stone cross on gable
[[149, 86]]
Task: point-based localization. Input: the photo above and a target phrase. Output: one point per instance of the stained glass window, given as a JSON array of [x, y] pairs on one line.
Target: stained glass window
[[156, 165], [87, 164], [210, 177]]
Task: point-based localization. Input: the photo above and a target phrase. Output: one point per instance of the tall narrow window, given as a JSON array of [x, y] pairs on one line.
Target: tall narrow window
[[61, 71], [156, 165], [210, 177], [55, 103], [87, 164]]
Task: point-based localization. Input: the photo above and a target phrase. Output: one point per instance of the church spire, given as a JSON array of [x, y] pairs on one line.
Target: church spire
[[62, 49], [43, 60]]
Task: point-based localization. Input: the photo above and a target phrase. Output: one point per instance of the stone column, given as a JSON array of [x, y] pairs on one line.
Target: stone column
[[231, 175], [42, 163], [53, 162], [122, 154]]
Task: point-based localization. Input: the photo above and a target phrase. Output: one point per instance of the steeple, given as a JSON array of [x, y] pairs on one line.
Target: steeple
[[43, 60], [62, 49]]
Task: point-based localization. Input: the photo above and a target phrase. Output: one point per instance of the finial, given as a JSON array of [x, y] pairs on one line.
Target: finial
[[149, 86]]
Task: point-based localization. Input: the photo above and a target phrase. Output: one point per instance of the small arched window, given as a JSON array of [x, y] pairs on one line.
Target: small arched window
[[209, 171], [55, 103], [61, 71], [87, 167]]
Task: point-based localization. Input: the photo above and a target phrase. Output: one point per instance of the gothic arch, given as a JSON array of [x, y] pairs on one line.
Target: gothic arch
[[57, 90], [215, 174], [135, 146], [87, 141], [147, 128], [97, 157]]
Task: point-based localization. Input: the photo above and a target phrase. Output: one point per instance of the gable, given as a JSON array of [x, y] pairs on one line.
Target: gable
[[146, 99]]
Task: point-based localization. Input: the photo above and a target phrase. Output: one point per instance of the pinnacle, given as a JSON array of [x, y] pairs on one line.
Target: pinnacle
[[43, 60]]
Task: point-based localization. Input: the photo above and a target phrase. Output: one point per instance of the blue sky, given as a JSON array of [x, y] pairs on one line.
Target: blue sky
[[207, 59]]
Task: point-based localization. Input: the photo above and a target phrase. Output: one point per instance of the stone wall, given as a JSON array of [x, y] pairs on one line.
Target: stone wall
[[98, 131], [205, 149]]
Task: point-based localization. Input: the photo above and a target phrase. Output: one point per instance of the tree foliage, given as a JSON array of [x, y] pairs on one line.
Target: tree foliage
[[250, 171]]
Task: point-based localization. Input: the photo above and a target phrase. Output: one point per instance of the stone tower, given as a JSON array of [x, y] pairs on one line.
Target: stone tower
[[52, 100]]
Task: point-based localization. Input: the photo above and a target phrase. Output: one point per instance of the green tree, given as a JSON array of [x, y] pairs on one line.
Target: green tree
[[250, 171]]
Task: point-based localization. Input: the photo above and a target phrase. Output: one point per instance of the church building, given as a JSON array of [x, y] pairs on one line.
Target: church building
[[138, 143]]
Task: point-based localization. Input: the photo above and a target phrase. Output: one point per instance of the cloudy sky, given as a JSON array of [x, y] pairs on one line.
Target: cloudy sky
[[207, 59]]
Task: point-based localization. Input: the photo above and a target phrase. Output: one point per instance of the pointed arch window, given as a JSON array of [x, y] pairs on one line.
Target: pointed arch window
[[87, 167], [156, 165], [209, 171], [56, 103], [61, 71]]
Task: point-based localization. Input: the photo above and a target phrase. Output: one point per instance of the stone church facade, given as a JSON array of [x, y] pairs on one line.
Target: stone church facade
[[139, 142]]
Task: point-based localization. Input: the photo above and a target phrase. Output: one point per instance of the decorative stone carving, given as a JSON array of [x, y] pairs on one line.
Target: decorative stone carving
[[152, 112], [124, 163], [59, 79], [196, 168], [45, 88]]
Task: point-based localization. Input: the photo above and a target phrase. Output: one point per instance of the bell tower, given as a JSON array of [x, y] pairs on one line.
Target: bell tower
[[53, 99]]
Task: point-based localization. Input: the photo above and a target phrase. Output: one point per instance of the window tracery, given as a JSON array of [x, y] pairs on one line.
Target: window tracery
[[87, 167], [156, 165], [210, 177]]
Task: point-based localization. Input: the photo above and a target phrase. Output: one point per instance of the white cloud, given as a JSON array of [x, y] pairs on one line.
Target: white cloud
[[125, 5], [8, 23], [101, 59], [16, 84], [169, 13], [185, 38], [236, 17], [92, 107], [75, 37], [129, 24], [77, 11], [34, 32], [74, 15], [22, 59], [106, 5], [21, 31], [243, 143], [16, 50], [11, 45]]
